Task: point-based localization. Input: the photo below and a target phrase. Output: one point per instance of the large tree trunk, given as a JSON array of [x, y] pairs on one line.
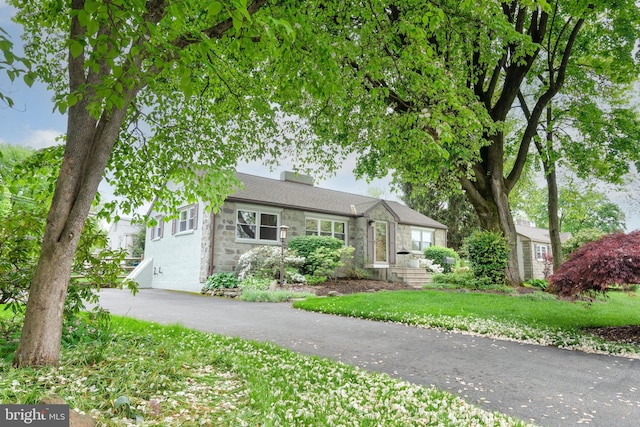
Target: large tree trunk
[[89, 144], [87, 151], [489, 195], [41, 334]]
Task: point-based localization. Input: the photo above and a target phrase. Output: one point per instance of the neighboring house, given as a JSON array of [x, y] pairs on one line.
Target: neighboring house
[[534, 251], [122, 233], [182, 253]]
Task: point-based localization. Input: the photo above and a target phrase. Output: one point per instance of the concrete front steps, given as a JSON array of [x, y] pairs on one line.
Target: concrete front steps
[[415, 277]]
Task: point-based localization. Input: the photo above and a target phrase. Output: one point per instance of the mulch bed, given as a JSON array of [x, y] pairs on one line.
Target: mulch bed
[[621, 334]]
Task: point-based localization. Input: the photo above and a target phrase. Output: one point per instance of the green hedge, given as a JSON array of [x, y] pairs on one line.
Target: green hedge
[[488, 255], [311, 246]]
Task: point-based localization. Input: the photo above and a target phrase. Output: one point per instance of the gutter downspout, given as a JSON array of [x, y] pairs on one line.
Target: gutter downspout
[[212, 241]]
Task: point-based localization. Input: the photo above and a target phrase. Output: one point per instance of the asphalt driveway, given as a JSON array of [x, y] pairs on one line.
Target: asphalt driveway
[[544, 385]]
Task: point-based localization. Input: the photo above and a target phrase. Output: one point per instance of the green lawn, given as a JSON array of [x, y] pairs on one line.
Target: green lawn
[[131, 370], [531, 317]]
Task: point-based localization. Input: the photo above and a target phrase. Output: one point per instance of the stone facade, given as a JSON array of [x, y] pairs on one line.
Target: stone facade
[[184, 260]]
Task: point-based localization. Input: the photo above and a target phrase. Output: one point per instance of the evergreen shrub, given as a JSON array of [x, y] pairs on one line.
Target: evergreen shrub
[[488, 255]]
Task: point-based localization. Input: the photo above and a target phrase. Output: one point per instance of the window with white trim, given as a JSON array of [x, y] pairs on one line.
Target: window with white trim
[[326, 227], [156, 230], [256, 225], [421, 238], [187, 219], [541, 252]]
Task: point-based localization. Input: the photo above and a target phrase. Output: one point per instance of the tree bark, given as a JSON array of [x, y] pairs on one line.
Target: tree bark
[[549, 166], [491, 203]]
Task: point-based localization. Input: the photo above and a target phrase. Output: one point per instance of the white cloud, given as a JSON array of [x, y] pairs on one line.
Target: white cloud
[[37, 139]]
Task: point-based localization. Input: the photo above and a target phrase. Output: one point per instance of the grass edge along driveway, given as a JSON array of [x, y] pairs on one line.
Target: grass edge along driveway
[[531, 318], [131, 372]]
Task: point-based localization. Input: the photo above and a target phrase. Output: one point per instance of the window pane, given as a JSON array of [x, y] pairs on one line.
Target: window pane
[[325, 227], [338, 227], [245, 231], [416, 239], [245, 217], [268, 227], [426, 236], [245, 227], [311, 226], [269, 220], [340, 236], [268, 233]]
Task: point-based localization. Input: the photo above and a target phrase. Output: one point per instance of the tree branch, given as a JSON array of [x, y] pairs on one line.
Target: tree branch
[[216, 31]]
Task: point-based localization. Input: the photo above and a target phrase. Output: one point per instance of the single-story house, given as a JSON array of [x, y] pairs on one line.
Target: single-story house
[[181, 254], [534, 250]]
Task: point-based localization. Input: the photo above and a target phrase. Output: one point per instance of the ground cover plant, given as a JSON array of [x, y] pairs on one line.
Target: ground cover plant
[[534, 317], [141, 373]]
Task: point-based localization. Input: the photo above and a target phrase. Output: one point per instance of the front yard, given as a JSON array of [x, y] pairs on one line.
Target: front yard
[[536, 318], [129, 372]]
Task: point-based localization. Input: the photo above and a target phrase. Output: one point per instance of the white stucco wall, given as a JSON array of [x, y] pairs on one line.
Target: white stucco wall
[[176, 257]]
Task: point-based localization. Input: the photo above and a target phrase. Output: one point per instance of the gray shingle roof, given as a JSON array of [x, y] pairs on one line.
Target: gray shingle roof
[[538, 234], [293, 195]]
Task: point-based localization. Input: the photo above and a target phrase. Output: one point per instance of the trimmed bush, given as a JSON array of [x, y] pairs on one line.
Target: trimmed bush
[[316, 250], [613, 259], [438, 254], [488, 255]]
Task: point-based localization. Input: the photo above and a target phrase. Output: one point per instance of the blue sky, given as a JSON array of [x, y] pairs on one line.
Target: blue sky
[[32, 122]]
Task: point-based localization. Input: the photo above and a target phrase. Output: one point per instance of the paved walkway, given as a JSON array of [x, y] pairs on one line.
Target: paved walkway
[[545, 385]]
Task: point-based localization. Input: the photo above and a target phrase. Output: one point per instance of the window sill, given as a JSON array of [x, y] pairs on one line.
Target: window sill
[[258, 242], [184, 233]]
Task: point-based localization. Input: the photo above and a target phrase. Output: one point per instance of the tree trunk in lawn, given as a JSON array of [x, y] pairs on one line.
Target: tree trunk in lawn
[[88, 147], [490, 199], [554, 220]]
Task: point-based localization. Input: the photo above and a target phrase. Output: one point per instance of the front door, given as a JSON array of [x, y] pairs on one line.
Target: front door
[[381, 243]]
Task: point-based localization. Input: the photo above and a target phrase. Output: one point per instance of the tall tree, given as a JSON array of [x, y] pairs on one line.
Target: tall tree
[[578, 208], [153, 90], [445, 76], [592, 119]]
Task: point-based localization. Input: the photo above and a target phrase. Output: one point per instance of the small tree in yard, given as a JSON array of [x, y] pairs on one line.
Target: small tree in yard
[[211, 81], [613, 259], [488, 254]]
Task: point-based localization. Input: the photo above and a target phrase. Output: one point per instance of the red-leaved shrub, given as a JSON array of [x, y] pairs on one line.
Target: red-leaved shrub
[[612, 259]]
